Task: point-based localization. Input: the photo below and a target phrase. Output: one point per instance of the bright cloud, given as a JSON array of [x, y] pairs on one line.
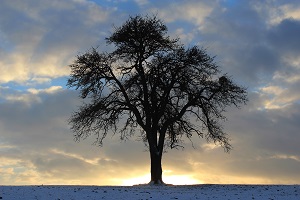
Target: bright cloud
[[277, 11], [52, 89], [278, 97], [193, 12]]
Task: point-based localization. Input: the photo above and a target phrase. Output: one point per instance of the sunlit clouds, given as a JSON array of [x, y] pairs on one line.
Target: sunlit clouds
[[39, 39], [255, 42]]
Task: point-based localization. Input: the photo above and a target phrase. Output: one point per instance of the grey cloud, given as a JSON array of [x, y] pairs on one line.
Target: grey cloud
[[61, 167], [274, 131], [46, 35], [284, 37], [238, 35], [245, 44], [278, 169], [256, 134], [38, 135], [265, 147]]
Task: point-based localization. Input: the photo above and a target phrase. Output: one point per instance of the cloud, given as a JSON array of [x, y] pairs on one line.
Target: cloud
[[192, 11], [142, 2], [283, 37], [237, 35], [42, 38], [256, 43], [274, 12], [29, 97], [277, 97], [52, 89], [38, 147], [291, 11]]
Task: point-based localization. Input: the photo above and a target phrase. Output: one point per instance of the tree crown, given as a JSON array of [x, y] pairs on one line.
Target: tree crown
[[155, 84]]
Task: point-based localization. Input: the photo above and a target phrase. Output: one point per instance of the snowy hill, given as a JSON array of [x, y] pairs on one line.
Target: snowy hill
[[205, 191]]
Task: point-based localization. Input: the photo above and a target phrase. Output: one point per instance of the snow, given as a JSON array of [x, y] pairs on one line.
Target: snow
[[205, 191]]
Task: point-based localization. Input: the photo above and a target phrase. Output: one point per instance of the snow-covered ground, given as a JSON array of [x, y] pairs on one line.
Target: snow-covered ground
[[205, 191]]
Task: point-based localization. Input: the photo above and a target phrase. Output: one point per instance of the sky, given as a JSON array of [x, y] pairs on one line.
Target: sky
[[256, 42]]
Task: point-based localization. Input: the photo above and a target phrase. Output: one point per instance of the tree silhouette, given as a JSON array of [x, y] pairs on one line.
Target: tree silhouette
[[156, 86]]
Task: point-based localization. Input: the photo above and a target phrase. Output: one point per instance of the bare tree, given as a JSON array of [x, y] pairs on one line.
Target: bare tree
[[157, 85]]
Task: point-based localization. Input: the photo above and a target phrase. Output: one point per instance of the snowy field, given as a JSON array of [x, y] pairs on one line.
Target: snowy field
[[205, 191]]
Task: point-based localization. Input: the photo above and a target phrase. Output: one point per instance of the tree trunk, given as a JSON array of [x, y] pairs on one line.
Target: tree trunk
[[156, 169]]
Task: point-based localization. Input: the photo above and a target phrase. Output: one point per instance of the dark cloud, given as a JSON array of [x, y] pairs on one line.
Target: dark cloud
[[238, 36], [284, 37]]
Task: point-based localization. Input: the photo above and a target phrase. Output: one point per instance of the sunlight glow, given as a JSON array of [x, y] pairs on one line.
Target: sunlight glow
[[169, 179], [181, 180], [137, 180]]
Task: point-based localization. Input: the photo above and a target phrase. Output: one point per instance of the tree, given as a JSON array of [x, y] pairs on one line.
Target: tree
[[154, 84]]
